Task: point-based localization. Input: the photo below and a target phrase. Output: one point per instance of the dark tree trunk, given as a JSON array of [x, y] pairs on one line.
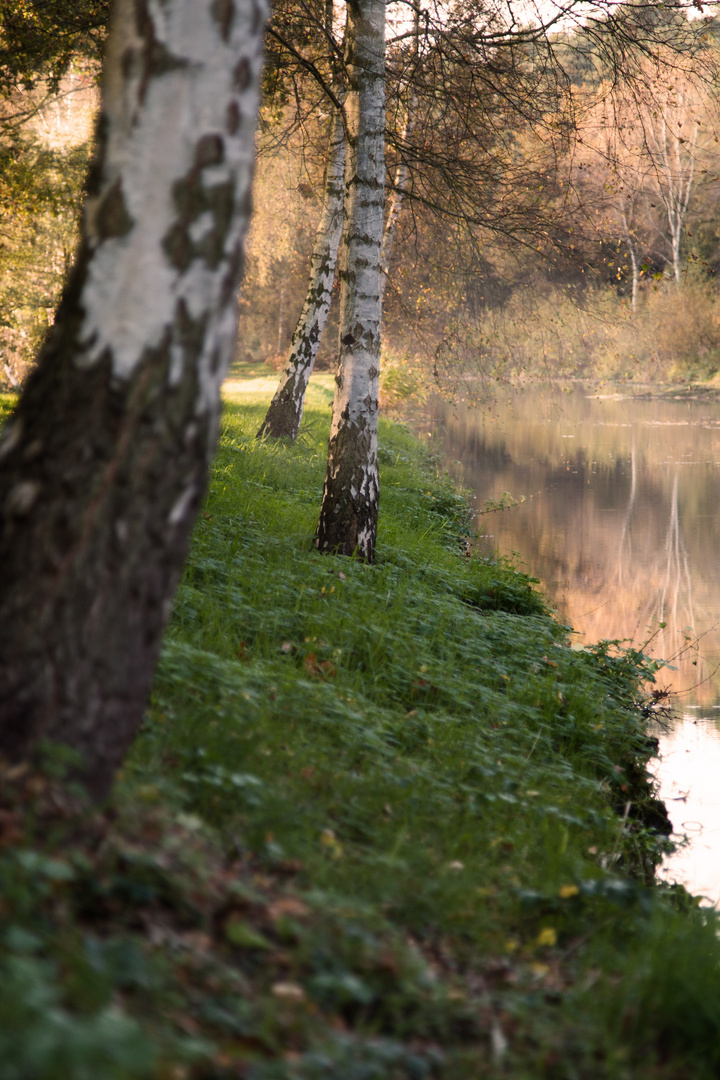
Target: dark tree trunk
[[104, 463], [348, 516]]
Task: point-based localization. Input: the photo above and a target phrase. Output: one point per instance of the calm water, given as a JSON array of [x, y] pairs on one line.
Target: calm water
[[620, 520]]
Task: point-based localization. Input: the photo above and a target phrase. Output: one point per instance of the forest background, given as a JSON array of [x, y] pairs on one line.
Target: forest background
[[577, 238]]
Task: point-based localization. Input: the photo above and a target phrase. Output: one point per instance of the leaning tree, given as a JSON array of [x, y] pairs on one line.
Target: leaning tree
[[105, 459]]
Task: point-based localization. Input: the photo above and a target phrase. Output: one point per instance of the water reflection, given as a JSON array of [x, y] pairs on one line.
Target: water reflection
[[619, 522], [688, 775]]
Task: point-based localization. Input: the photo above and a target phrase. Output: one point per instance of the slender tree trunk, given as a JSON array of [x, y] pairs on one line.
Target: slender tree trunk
[[402, 174], [635, 278], [281, 318], [104, 463], [286, 409], [348, 516], [402, 171]]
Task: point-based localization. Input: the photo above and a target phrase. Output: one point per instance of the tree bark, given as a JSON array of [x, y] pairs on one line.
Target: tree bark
[[284, 415], [104, 462], [400, 183], [348, 516], [402, 170]]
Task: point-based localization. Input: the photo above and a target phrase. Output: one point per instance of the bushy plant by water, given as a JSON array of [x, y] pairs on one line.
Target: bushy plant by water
[[382, 821]]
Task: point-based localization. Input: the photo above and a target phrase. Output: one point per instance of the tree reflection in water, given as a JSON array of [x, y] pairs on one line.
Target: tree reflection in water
[[619, 523]]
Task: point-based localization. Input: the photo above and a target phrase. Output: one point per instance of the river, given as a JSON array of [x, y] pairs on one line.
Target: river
[[616, 513]]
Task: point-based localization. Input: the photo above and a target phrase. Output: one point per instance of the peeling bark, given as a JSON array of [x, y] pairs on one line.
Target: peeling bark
[[348, 516], [284, 415], [104, 462]]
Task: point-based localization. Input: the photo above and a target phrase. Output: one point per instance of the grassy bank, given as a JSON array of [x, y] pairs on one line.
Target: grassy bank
[[381, 822]]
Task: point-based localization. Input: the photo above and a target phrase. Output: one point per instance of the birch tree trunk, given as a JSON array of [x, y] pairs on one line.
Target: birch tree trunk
[[402, 175], [673, 158], [284, 415], [104, 463], [402, 170], [631, 244], [348, 516]]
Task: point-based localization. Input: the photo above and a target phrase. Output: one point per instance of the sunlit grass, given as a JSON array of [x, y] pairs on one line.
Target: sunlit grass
[[417, 736]]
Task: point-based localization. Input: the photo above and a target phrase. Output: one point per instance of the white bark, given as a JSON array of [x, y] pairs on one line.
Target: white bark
[[672, 144], [170, 136], [284, 415], [631, 244], [348, 517], [106, 461]]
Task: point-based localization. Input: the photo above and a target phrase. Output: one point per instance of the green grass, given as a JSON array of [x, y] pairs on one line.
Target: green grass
[[374, 825]]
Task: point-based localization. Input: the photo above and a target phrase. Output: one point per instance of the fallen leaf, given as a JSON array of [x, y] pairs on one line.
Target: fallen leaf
[[288, 905], [288, 991], [330, 841], [245, 936]]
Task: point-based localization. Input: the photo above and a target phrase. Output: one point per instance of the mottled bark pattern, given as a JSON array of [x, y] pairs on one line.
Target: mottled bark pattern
[[348, 517], [284, 415], [104, 463]]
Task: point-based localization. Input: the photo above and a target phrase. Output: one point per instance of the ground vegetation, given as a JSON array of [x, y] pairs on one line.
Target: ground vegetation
[[379, 826]]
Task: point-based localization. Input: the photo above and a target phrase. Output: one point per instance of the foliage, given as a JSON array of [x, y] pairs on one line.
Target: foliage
[[40, 39], [39, 197], [673, 336]]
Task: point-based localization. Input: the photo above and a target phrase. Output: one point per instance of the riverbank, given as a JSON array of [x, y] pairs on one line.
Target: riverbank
[[380, 822]]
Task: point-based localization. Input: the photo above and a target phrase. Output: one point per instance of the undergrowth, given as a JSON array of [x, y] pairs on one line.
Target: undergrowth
[[381, 822]]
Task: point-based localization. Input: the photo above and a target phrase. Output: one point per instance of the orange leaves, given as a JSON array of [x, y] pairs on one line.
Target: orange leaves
[[314, 667], [323, 669], [288, 907]]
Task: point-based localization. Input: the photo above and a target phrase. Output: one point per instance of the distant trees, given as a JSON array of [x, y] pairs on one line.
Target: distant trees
[[676, 148], [49, 60], [646, 150], [104, 462], [41, 39]]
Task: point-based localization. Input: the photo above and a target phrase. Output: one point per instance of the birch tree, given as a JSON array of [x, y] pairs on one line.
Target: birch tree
[[284, 415], [672, 125], [611, 176], [104, 462], [484, 66], [401, 177], [348, 515]]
